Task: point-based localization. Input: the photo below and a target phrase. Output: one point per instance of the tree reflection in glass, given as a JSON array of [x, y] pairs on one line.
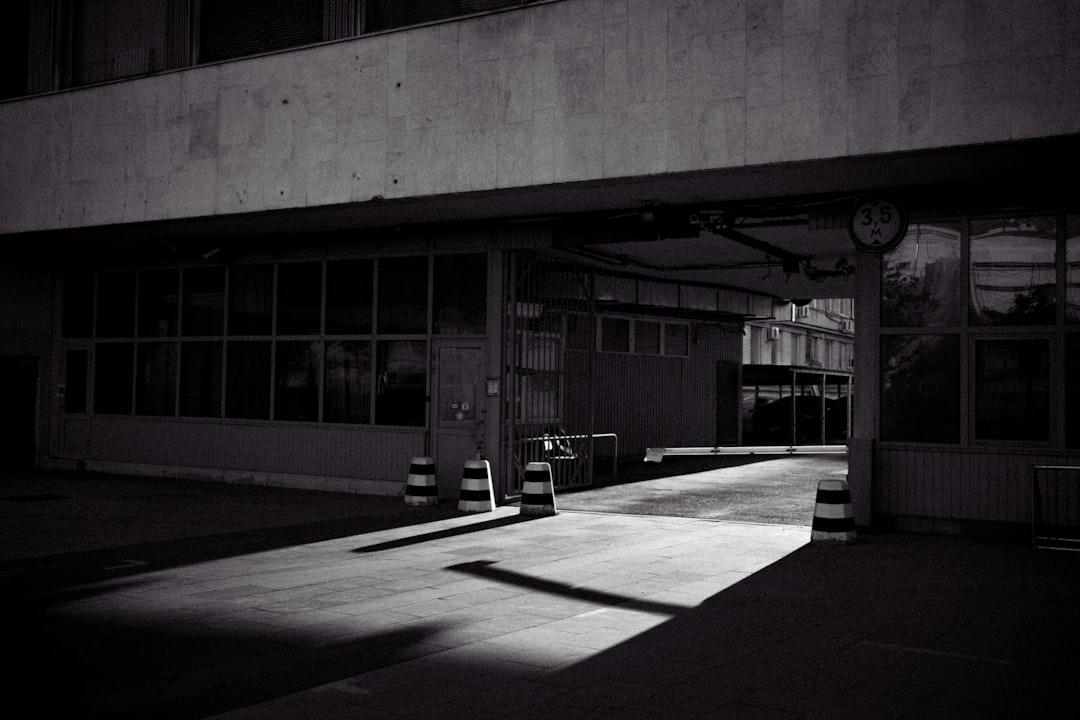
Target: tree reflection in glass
[[921, 278], [1013, 277]]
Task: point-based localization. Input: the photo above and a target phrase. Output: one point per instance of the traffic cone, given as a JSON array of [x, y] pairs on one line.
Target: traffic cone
[[477, 494], [833, 518], [421, 488], [538, 490]]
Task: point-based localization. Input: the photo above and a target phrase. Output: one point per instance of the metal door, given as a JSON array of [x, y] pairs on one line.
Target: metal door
[[457, 409], [549, 345]]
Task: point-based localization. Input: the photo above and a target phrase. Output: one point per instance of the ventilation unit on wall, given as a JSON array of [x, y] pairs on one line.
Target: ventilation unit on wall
[[802, 311], [774, 333], [847, 326]]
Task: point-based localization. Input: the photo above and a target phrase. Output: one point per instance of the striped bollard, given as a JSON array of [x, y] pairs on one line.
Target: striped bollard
[[421, 488], [538, 490], [477, 494], [833, 518]]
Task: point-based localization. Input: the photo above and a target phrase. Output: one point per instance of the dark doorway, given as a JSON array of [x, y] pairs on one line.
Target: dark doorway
[[18, 395]]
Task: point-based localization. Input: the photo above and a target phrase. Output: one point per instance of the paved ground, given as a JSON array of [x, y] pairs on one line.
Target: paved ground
[[163, 599], [749, 488]]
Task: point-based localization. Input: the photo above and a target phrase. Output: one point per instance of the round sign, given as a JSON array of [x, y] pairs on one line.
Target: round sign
[[877, 225]]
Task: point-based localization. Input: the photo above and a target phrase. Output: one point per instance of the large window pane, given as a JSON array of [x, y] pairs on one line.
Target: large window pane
[[200, 379], [78, 306], [1072, 272], [250, 293], [615, 334], [233, 28], [155, 380], [347, 396], [1012, 381], [117, 38], [116, 305], [920, 388], [1013, 278], [158, 300], [1072, 390], [922, 282], [401, 385], [403, 284], [204, 301], [299, 298], [460, 301], [112, 378], [247, 383], [676, 340], [296, 395], [75, 364], [348, 297], [646, 337]]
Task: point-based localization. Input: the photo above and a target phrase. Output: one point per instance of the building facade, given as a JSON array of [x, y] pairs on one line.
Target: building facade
[[798, 372], [303, 242]]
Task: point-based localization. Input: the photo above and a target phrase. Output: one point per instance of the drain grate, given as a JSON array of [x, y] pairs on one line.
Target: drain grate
[[35, 498]]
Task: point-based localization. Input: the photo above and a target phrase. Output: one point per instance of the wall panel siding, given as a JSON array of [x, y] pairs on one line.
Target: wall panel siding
[[349, 452], [953, 484]]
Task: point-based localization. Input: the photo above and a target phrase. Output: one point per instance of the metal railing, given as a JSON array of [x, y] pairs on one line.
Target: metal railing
[[554, 448]]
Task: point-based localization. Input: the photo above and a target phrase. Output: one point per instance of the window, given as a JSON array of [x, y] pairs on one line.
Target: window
[[1011, 281], [1012, 383], [460, 294], [676, 340], [116, 305], [75, 362], [250, 297], [52, 44], [647, 337], [401, 384], [297, 370], [920, 388], [112, 378], [348, 296], [347, 397], [1072, 390], [1013, 272], [299, 303], [204, 301], [614, 334], [922, 278], [15, 49], [158, 303], [403, 284], [233, 28], [1072, 270], [78, 313], [155, 380], [113, 39], [200, 379], [247, 382], [289, 341]]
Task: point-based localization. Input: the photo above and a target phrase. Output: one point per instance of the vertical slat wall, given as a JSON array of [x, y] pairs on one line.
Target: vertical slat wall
[[946, 484], [657, 401]]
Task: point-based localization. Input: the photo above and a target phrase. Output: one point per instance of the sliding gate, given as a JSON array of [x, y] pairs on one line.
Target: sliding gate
[[550, 348]]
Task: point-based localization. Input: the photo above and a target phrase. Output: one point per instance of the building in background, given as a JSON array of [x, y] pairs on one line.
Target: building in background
[[302, 242], [797, 374]]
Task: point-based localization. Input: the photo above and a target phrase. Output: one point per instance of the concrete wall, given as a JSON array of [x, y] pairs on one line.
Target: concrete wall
[[555, 92]]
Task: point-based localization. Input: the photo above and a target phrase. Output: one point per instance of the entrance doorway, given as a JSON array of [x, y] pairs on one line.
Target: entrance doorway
[[457, 420], [18, 388]]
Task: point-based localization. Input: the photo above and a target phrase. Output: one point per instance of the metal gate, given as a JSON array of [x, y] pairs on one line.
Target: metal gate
[[550, 345]]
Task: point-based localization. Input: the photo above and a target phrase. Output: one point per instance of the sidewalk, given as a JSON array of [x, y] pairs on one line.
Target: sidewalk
[[179, 605]]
